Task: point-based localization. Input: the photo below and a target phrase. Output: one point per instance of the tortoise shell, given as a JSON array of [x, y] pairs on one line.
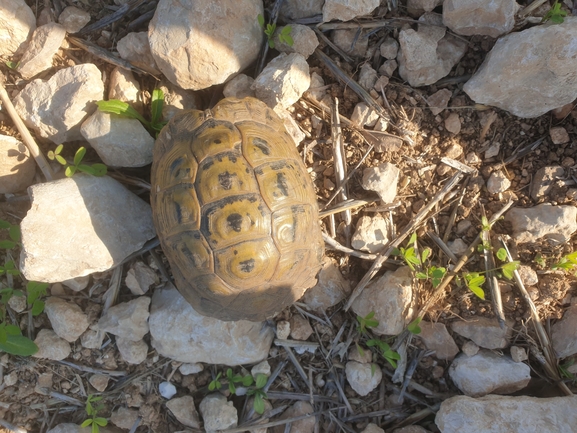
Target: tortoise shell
[[235, 210]]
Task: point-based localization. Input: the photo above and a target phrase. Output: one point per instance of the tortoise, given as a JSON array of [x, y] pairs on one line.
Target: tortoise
[[235, 210]]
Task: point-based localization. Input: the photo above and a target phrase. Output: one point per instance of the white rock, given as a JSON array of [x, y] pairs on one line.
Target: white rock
[[437, 338], [17, 22], [439, 100], [457, 247], [184, 411], [305, 40], [472, 17], [520, 414], [283, 329], [67, 319], [556, 223], [77, 284], [283, 81], [239, 87], [127, 319], [391, 298], [177, 99], [367, 76], [167, 390], [345, 10], [331, 287], [296, 9], [388, 68], [532, 65], [563, 333], [132, 352], [424, 60], [518, 354], [454, 151], [559, 135], [17, 168], [363, 115], [99, 382], [119, 141], [88, 228], [124, 417], [544, 180], [469, 348], [18, 303], [73, 19], [195, 53], [55, 109], [389, 48], [305, 425], [498, 182], [371, 234], [484, 331], [348, 41], [124, 87], [187, 368], [383, 179], [11, 378], [92, 339], [453, 123], [44, 44], [260, 368], [217, 413], [300, 328], [362, 377], [486, 373], [135, 48], [51, 346], [140, 277], [180, 333]]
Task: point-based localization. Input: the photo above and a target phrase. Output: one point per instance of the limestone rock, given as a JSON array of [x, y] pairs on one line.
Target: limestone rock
[[17, 22], [17, 168], [488, 373], [119, 141], [363, 115], [331, 287], [362, 377], [55, 109], [535, 64], [127, 319], [544, 180], [563, 333], [437, 338], [184, 411], [283, 81], [389, 48], [132, 352], [300, 328], [180, 333], [439, 100], [140, 277], [305, 41], [177, 99], [520, 414], [472, 17], [135, 48], [51, 346], [217, 413], [348, 41], [484, 331], [305, 425], [453, 123], [498, 182], [556, 223], [193, 51], [371, 234], [373, 428], [391, 298], [124, 87], [345, 10], [417, 7], [124, 417], [296, 9], [383, 179], [559, 135], [239, 87], [73, 19], [67, 319], [44, 44], [89, 232]]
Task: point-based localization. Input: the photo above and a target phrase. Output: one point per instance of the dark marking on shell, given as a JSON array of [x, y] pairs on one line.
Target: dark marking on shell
[[234, 220], [281, 184], [262, 145], [225, 180], [247, 266]]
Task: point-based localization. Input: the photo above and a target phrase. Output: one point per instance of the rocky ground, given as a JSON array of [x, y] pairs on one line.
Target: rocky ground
[[449, 112]]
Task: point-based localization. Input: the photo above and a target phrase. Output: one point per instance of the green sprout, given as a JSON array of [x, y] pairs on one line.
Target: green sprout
[[269, 30], [556, 15], [97, 169], [95, 422]]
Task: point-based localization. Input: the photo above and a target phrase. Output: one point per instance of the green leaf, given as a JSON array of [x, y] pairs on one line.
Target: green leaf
[[288, 40], [7, 245], [79, 155], [477, 291], [271, 43], [99, 169], [258, 404], [121, 108], [86, 169], [19, 345], [5, 224], [87, 422], [260, 20], [421, 276], [373, 369], [37, 307], [360, 350], [247, 380], [156, 104], [502, 254], [35, 290], [414, 327], [231, 387], [412, 239], [60, 159], [509, 269], [70, 170], [229, 373], [261, 380], [425, 254], [485, 223], [286, 30], [58, 149], [12, 330], [101, 421], [12, 65], [14, 233]]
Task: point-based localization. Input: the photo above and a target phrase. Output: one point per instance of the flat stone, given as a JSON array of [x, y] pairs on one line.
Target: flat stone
[[17, 22], [283, 81], [469, 348], [127, 319], [535, 64], [346, 10], [331, 287], [486, 17], [17, 168], [528, 275], [391, 298], [180, 333], [484, 331], [44, 44], [56, 108], [563, 333], [453, 123], [363, 378], [140, 277], [217, 413], [559, 135], [437, 338], [544, 180], [186, 369], [124, 417], [99, 382], [389, 48], [300, 328], [371, 234], [454, 151], [304, 38], [367, 77], [348, 41], [518, 354], [498, 182], [88, 227], [67, 319], [363, 115], [124, 87], [488, 373], [132, 352], [383, 179], [439, 100], [239, 87], [73, 19], [521, 414], [51, 346], [283, 329], [195, 53], [555, 223], [297, 9], [184, 411], [119, 141], [135, 48]]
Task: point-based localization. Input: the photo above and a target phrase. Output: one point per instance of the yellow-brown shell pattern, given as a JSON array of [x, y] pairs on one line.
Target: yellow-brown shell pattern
[[235, 210]]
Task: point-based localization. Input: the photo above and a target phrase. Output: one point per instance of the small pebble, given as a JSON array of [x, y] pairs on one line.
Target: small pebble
[[167, 390], [470, 348], [518, 354], [559, 135]]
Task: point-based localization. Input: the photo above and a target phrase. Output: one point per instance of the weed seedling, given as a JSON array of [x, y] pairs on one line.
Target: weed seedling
[[556, 15], [367, 322], [567, 262], [269, 29], [95, 422], [258, 393], [97, 169], [234, 380]]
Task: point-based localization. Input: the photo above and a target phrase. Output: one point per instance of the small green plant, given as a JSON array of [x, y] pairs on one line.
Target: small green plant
[[269, 29], [364, 324], [474, 281], [385, 350], [556, 15], [564, 370], [154, 126], [95, 421], [12, 65], [540, 260], [258, 393], [414, 327], [97, 169], [234, 380], [367, 322], [568, 262], [13, 234]]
